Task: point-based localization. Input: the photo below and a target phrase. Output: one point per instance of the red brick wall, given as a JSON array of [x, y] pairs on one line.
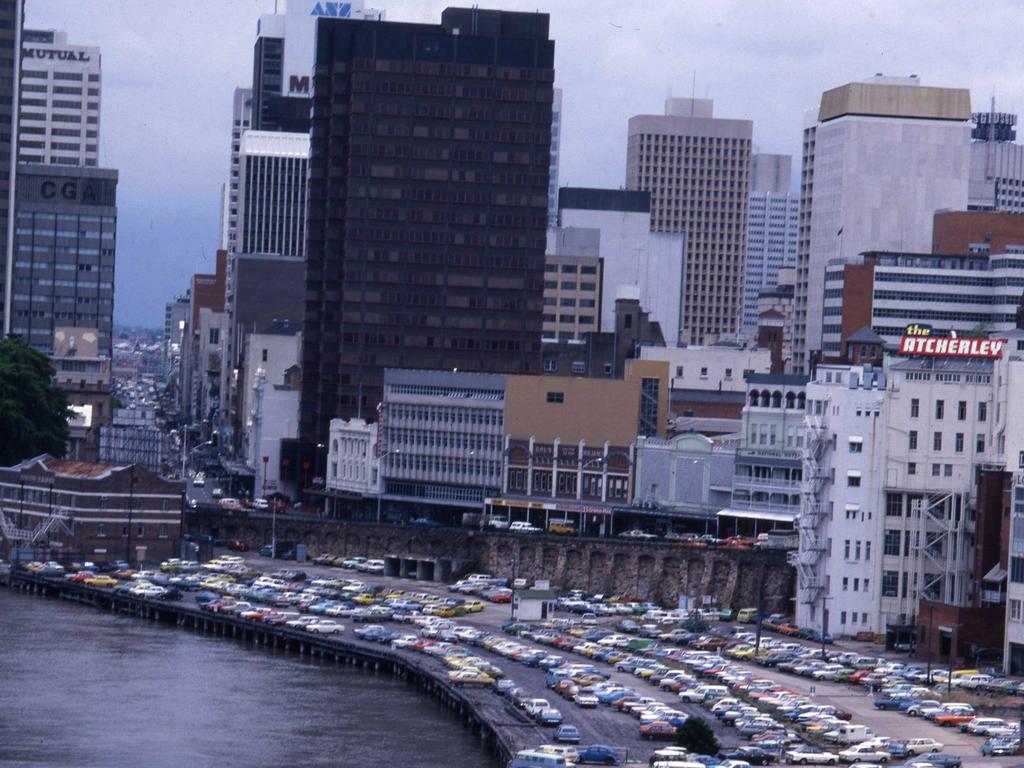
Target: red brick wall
[[954, 231]]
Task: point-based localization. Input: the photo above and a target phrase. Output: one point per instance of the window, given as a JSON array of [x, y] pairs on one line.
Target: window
[[961, 410], [703, 373], [215, 335], [936, 470], [856, 584], [891, 542], [853, 480], [846, 583], [890, 583], [912, 439], [679, 371], [846, 550], [958, 442], [264, 355], [937, 441], [981, 444], [550, 365], [940, 408], [1014, 610], [556, 397], [579, 368], [842, 617], [856, 446], [1017, 570], [867, 556], [101, 530], [911, 468], [728, 373], [915, 408], [947, 470], [982, 411]]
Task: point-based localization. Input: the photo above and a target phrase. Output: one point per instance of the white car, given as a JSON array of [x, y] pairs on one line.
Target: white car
[[808, 756], [585, 700], [373, 566], [864, 753], [636, 533], [325, 627], [922, 746], [261, 504]]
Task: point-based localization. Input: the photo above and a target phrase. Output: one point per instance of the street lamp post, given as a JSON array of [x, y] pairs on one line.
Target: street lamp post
[[380, 480]]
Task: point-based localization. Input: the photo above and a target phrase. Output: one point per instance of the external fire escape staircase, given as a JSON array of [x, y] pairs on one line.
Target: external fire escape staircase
[[811, 522], [56, 521]]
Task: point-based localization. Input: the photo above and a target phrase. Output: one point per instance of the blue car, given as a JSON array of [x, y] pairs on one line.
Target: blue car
[[567, 734], [599, 754]]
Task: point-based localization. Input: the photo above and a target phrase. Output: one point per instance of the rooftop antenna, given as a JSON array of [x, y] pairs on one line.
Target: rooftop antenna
[[693, 91]]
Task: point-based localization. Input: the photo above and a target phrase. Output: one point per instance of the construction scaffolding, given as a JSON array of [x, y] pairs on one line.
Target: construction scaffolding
[[813, 518]]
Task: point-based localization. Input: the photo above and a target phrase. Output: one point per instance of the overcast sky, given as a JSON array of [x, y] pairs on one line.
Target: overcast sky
[[169, 69]]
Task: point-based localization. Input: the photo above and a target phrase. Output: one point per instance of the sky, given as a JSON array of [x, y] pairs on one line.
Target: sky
[[170, 67]]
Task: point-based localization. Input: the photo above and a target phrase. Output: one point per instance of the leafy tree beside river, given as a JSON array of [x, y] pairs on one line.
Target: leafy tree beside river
[[33, 410]]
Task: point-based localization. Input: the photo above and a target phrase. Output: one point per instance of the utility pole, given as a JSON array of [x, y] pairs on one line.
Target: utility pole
[[131, 503]]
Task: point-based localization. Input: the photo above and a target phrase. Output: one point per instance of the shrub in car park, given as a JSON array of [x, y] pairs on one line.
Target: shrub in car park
[[697, 736]]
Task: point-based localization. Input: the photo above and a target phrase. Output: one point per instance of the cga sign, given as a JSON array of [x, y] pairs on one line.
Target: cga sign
[[919, 340]]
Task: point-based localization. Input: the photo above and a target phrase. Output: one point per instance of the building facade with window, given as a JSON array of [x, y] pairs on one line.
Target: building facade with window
[[889, 462], [59, 106], [427, 215], [65, 244], [101, 512], [440, 441], [767, 478], [697, 170]]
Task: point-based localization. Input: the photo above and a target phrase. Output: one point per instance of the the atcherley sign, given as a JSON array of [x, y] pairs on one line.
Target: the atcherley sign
[[920, 340]]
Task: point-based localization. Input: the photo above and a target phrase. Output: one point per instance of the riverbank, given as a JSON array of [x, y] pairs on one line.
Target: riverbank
[[489, 717]]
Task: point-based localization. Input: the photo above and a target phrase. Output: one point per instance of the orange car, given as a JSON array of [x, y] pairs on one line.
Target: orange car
[[950, 719]]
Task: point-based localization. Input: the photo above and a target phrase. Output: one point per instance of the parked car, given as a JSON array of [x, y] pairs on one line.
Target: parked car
[[752, 755], [567, 734], [810, 756], [599, 754]]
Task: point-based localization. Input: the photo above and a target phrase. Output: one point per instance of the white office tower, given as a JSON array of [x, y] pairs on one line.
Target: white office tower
[[272, 192], [771, 230], [556, 142], [59, 110], [887, 511], [241, 117], [879, 158], [997, 163]]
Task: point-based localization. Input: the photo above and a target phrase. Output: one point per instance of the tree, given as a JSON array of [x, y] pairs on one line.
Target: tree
[[33, 411], [697, 736]]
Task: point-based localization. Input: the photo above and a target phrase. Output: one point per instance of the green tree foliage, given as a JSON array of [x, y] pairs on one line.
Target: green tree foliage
[[697, 736], [33, 411]]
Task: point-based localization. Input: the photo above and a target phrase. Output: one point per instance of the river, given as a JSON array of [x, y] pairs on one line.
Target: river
[[81, 687]]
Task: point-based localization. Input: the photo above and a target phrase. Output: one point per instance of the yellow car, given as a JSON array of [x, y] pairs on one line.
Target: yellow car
[[363, 599], [469, 677], [101, 581], [472, 606]]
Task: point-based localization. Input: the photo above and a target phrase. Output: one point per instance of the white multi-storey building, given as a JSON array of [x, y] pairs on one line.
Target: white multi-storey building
[[772, 227], [887, 515], [241, 119], [59, 107], [272, 193], [556, 145], [353, 459], [880, 157]]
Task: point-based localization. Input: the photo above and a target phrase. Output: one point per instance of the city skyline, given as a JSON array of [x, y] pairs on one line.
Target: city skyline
[[170, 183]]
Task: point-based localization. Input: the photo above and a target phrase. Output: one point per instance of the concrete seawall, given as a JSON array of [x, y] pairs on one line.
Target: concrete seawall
[[659, 571], [480, 710]]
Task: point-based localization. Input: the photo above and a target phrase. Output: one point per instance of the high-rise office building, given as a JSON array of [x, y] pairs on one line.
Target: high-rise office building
[[272, 192], [880, 157], [64, 248], [241, 118], [12, 14], [59, 110], [283, 61], [771, 230], [697, 169], [430, 154]]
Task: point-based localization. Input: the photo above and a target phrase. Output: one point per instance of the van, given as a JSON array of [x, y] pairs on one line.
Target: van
[[849, 734], [529, 758], [563, 527], [747, 615]]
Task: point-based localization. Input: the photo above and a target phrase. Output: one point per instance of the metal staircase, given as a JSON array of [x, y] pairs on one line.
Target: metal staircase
[[813, 518], [57, 520]]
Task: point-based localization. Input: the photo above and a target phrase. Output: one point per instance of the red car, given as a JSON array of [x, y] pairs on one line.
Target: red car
[[80, 576], [236, 544], [659, 729]]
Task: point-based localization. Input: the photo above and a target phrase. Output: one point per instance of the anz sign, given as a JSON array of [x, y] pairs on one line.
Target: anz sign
[[332, 10]]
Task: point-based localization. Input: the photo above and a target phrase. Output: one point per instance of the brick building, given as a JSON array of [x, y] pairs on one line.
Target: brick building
[[99, 512]]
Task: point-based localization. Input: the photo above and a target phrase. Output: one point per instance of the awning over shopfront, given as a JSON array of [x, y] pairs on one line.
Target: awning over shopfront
[[556, 505], [751, 514]]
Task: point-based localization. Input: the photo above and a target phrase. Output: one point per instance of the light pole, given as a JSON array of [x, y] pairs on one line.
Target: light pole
[[583, 517], [380, 479]]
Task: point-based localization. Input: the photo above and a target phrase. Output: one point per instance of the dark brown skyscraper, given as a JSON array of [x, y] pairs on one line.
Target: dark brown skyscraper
[[427, 203], [11, 21]]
